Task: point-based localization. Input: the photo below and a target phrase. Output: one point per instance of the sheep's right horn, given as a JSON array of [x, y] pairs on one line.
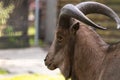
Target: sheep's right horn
[[69, 11], [95, 7]]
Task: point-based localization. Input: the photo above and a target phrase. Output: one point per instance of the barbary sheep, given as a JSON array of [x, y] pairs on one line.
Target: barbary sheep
[[78, 51]]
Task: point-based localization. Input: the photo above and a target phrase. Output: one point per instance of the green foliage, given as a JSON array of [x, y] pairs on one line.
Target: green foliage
[[31, 33], [2, 71], [31, 30], [4, 13], [36, 77], [8, 31], [31, 42]]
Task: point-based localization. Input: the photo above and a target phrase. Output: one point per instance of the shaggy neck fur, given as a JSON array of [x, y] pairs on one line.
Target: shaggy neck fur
[[66, 67], [88, 55]]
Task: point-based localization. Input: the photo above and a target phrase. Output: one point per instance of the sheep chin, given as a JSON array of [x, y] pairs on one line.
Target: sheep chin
[[51, 67], [65, 70]]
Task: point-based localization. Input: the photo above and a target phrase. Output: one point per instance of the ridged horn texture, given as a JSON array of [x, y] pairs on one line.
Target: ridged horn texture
[[95, 7], [69, 11], [80, 10]]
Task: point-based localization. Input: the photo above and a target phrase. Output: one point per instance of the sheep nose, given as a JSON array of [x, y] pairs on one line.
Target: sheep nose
[[45, 59]]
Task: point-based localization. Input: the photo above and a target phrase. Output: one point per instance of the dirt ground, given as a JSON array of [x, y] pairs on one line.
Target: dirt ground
[[26, 60]]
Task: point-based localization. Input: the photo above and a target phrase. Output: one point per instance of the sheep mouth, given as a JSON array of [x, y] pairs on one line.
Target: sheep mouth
[[50, 65]]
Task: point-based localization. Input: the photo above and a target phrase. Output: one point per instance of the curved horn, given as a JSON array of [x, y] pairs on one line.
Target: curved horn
[[95, 7], [69, 11]]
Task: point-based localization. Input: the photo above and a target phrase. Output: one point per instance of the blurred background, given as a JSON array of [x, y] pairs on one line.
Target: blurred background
[[27, 29], [18, 22]]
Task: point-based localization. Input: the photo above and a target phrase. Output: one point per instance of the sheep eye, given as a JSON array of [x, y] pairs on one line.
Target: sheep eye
[[60, 38]]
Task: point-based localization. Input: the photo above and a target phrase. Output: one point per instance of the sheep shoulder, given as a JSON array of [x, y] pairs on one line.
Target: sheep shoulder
[[111, 70], [114, 48]]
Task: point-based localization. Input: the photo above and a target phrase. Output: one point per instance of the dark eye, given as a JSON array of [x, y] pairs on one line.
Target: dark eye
[[60, 38]]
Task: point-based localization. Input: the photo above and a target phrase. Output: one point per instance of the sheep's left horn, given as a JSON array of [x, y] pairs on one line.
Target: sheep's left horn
[[69, 11], [95, 7]]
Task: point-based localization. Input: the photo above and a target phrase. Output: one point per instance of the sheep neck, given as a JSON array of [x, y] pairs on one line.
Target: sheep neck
[[88, 55]]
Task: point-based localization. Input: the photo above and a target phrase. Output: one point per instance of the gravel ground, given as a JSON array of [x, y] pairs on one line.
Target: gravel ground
[[26, 60]]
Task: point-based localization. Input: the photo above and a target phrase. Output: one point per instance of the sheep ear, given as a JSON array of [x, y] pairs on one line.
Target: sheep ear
[[75, 27]]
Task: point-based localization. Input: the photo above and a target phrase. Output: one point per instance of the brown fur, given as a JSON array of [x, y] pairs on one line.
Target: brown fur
[[81, 54]]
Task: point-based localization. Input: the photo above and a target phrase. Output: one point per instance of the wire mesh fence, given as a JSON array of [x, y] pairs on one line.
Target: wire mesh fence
[[17, 23]]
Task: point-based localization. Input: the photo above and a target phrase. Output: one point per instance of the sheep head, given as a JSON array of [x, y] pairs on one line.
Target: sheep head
[[61, 51], [62, 46]]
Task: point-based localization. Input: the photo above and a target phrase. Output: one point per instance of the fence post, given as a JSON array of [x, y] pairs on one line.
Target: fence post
[[51, 14], [36, 38]]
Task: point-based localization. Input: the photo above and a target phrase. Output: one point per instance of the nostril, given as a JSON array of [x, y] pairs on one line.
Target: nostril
[[45, 59]]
